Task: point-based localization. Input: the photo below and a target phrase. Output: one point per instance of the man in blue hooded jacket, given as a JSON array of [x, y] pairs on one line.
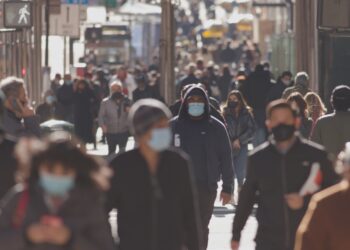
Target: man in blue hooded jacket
[[206, 141]]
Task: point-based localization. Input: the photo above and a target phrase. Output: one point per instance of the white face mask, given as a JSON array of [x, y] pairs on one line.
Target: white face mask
[[161, 139]]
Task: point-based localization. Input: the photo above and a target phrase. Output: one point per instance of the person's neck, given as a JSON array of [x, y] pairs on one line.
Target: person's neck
[[284, 146], [151, 157], [196, 119]]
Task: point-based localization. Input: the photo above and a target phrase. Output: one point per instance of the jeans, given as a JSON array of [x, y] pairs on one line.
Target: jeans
[[206, 200], [260, 136], [114, 140], [240, 159]]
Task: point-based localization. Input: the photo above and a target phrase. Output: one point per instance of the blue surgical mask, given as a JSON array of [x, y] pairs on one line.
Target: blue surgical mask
[[56, 185], [161, 139], [196, 109], [50, 99]]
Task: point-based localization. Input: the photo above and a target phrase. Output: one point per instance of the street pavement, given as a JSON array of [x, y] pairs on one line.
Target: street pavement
[[221, 222]]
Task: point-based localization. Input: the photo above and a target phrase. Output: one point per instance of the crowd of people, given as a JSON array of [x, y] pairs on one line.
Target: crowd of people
[[164, 190]]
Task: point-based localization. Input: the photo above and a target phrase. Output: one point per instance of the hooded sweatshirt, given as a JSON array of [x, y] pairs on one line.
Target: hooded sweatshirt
[[206, 141]]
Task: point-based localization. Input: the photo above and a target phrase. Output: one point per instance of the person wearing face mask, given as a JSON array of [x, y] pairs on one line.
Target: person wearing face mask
[[19, 118], [113, 120], [205, 140], [283, 82], [241, 128], [58, 205], [46, 111], [282, 175], [152, 187]]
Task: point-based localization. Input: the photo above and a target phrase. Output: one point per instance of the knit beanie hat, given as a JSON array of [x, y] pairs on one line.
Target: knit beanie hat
[[145, 113]]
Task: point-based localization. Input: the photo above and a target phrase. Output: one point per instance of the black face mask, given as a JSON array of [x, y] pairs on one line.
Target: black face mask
[[117, 95], [233, 104], [283, 132]]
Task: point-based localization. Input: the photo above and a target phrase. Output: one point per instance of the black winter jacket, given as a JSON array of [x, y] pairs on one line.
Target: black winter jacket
[[155, 212], [271, 175], [211, 137]]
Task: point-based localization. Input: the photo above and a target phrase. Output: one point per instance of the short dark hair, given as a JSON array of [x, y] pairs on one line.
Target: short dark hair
[[279, 104], [287, 73]]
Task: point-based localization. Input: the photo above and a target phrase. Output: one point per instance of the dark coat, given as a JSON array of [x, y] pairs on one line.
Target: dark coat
[[65, 99], [83, 115], [159, 210], [276, 91], [82, 213], [206, 141], [242, 127], [7, 165], [46, 112], [270, 176]]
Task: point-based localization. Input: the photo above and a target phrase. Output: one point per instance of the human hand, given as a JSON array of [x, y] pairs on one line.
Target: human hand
[[225, 198], [36, 233], [236, 144], [294, 201], [58, 235], [234, 245]]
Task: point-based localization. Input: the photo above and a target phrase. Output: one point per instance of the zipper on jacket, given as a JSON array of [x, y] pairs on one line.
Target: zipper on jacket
[[285, 206]]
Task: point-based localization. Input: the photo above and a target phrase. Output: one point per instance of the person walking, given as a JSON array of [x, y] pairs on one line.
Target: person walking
[[301, 85], [332, 131], [241, 128], [58, 204], [326, 224], [113, 120], [282, 175], [298, 102], [65, 100], [283, 82], [206, 141], [19, 118], [225, 81], [152, 187], [47, 110], [258, 87], [315, 107], [84, 99]]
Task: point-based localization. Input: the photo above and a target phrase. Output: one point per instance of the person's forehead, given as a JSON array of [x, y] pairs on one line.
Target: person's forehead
[[282, 113], [195, 97]]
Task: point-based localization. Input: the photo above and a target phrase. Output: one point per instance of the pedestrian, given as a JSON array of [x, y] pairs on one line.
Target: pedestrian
[[126, 79], [47, 110], [326, 224], [84, 99], [225, 81], [283, 82], [258, 87], [315, 107], [301, 85], [298, 102], [65, 100], [143, 90], [19, 118], [241, 128], [332, 131], [58, 204], [56, 83], [282, 175], [206, 141], [113, 118], [8, 164], [190, 78], [152, 187]]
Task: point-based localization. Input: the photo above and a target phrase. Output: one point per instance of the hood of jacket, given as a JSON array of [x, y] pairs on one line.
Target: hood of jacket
[[183, 113]]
